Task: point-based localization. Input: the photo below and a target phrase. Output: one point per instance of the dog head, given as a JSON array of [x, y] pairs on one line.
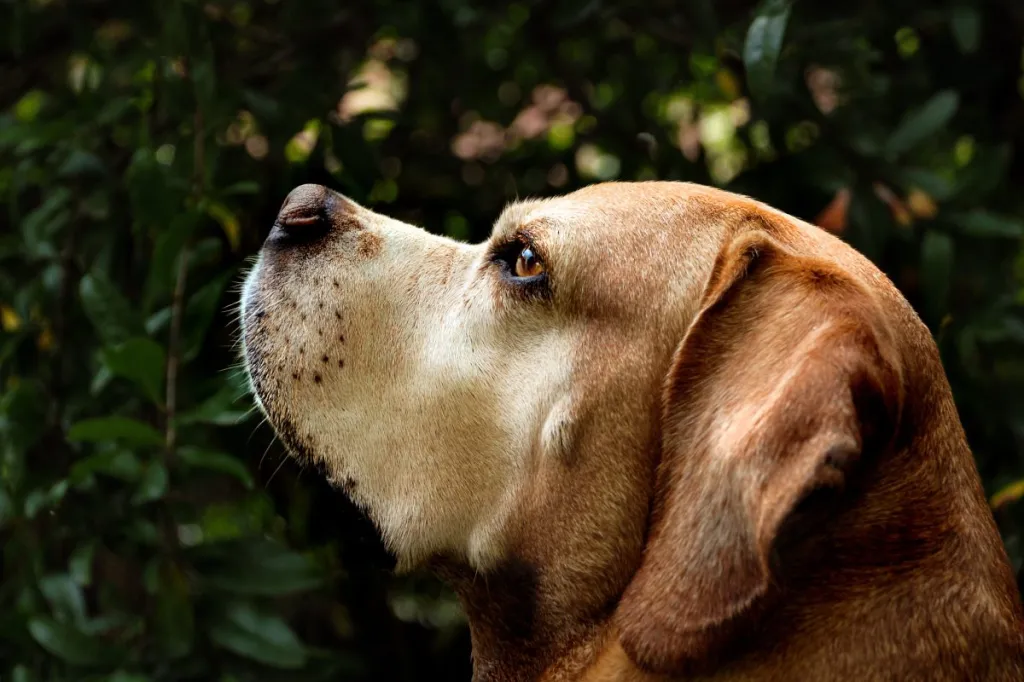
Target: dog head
[[631, 366]]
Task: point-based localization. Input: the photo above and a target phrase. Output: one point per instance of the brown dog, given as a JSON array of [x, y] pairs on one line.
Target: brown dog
[[647, 430]]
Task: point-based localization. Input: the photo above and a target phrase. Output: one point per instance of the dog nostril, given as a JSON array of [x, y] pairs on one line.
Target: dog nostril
[[307, 214]]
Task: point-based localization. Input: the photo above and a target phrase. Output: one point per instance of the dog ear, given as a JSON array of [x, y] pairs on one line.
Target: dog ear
[[780, 385]]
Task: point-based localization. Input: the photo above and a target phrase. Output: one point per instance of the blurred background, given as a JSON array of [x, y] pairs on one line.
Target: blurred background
[[151, 529]]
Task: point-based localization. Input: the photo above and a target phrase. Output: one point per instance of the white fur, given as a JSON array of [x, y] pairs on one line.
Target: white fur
[[444, 392]]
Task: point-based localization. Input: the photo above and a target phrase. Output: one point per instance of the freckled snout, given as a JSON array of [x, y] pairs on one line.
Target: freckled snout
[[310, 213]]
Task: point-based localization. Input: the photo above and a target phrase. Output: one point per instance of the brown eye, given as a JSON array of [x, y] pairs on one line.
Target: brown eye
[[528, 265]]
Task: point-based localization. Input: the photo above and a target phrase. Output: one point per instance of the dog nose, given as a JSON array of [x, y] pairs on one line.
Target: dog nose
[[307, 214]]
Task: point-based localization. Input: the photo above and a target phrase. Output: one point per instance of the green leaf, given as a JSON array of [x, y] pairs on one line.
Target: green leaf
[[81, 162], [937, 187], [174, 620], [64, 597], [142, 361], [28, 107], [227, 407], [21, 674], [22, 416], [153, 484], [122, 676], [980, 223], [120, 464], [936, 271], [216, 461], [966, 23], [256, 567], [41, 499], [199, 313], [70, 644], [100, 380], [41, 226], [80, 564], [163, 269], [261, 105], [985, 173], [121, 429], [244, 187], [205, 78], [763, 45], [154, 199], [258, 636], [113, 110], [109, 311], [923, 123], [6, 507], [159, 321]]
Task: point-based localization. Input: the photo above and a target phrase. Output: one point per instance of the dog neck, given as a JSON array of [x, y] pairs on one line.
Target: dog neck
[[516, 635]]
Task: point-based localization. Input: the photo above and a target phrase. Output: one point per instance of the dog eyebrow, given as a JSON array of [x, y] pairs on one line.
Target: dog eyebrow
[[511, 220]]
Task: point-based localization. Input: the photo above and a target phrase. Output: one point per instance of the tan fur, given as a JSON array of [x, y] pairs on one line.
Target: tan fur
[[720, 446]]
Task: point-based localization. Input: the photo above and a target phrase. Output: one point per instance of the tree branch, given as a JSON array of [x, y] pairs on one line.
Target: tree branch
[[178, 302]]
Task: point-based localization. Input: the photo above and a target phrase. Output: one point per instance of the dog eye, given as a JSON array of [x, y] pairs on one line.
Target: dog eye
[[528, 264]]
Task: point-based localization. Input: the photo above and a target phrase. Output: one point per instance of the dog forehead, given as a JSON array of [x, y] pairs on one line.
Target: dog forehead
[[616, 207]]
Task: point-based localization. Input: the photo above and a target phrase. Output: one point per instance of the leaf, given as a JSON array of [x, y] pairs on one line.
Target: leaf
[[64, 597], [223, 408], [113, 110], [228, 222], [122, 676], [38, 500], [199, 313], [163, 269], [22, 416], [121, 429], [108, 310], [81, 162], [153, 484], [204, 77], [980, 223], [870, 223], [153, 197], [936, 271], [120, 464], [216, 461], [100, 380], [261, 105], [763, 45], [80, 564], [1007, 494], [567, 15], [935, 185], [966, 23], [174, 620], [158, 321], [6, 507], [41, 226], [244, 187], [70, 644], [256, 567], [923, 123], [985, 173], [142, 361], [258, 636], [21, 674]]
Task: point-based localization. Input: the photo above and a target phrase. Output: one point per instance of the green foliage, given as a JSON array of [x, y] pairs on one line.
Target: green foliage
[[151, 529]]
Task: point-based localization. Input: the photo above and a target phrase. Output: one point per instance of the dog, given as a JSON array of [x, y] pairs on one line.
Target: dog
[[648, 431]]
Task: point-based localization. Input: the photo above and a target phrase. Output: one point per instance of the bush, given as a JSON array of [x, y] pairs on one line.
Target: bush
[[151, 529]]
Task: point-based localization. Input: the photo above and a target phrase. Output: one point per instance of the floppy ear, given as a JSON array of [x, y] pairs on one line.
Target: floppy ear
[[781, 384]]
